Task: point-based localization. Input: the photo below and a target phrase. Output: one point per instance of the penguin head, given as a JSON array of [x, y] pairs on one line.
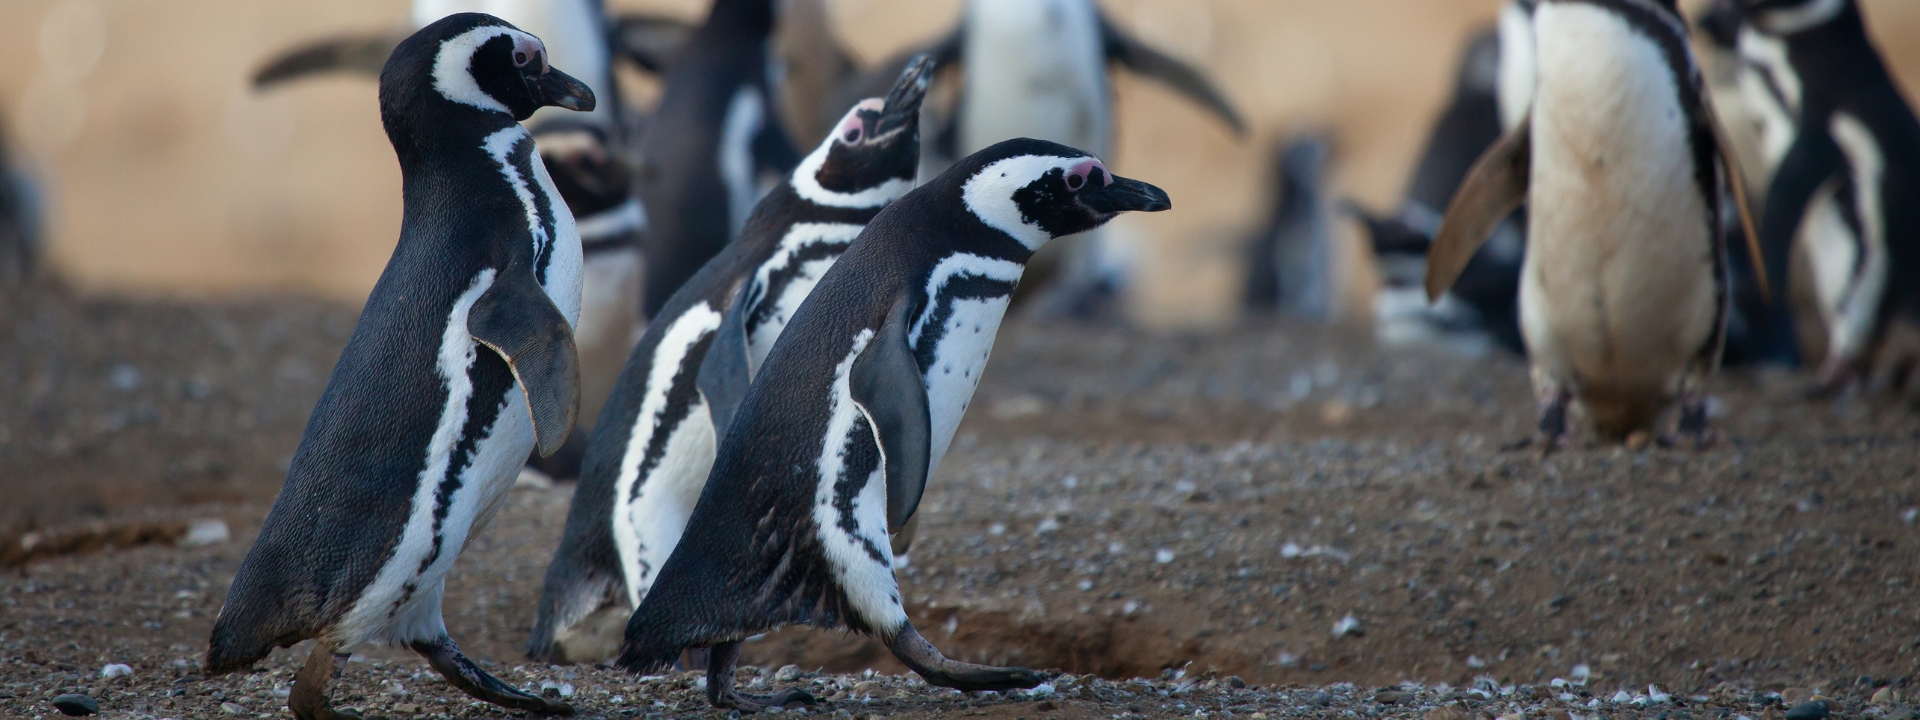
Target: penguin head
[[474, 62], [871, 156], [1781, 18], [1036, 190]]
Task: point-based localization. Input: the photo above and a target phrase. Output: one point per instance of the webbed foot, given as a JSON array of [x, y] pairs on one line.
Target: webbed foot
[[462, 673], [936, 669]]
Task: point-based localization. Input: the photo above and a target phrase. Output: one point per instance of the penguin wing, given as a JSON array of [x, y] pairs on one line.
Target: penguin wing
[[1736, 186], [355, 54], [1183, 78], [650, 41], [724, 372], [516, 319], [1813, 159], [887, 385], [1493, 189]]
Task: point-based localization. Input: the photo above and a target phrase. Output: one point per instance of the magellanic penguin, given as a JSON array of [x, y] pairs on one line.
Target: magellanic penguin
[[20, 234], [655, 441], [851, 412], [1038, 69], [1480, 311], [712, 146], [462, 364], [1848, 184], [1624, 290]]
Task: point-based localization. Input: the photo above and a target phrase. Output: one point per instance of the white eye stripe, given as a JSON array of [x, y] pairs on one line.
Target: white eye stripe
[[453, 65], [989, 194]]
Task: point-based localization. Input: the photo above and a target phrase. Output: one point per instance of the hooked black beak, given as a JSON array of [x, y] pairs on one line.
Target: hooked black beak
[[1126, 195], [561, 90], [903, 101]]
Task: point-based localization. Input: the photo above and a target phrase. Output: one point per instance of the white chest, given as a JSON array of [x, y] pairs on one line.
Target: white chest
[[953, 337], [785, 280], [1035, 68]]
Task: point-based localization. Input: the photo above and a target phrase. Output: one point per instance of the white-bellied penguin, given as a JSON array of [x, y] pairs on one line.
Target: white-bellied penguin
[[461, 366], [1848, 184], [831, 447], [714, 146], [655, 442], [1624, 290]]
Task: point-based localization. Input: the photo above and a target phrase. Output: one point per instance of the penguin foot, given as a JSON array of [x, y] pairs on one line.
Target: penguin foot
[[937, 670], [1835, 380], [721, 659], [313, 687], [1550, 426], [461, 672]]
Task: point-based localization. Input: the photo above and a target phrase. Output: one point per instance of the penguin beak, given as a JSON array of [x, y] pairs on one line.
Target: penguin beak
[[903, 101], [560, 89], [1126, 195]]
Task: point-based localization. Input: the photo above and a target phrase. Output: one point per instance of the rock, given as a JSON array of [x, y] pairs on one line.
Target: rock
[[1348, 625], [206, 532], [75, 705], [1793, 696], [1884, 697], [1901, 714], [1445, 712], [115, 670], [1389, 697], [1559, 714], [867, 687], [1320, 699], [1236, 683], [231, 708], [787, 673], [406, 709], [1810, 710], [1046, 706]]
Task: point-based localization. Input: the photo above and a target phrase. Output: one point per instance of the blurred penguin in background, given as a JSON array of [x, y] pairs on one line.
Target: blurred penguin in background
[[1038, 69], [1290, 260], [1480, 312], [20, 235]]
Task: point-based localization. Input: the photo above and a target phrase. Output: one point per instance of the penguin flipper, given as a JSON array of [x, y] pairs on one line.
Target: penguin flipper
[[724, 372], [356, 54], [1183, 78], [516, 319], [650, 41], [887, 385], [1737, 186], [1492, 190], [1813, 159]]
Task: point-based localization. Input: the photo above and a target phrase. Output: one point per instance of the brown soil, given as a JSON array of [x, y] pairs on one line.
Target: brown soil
[[1119, 503]]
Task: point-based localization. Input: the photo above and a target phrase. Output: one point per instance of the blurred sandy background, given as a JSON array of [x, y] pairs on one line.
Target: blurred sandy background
[[166, 175]]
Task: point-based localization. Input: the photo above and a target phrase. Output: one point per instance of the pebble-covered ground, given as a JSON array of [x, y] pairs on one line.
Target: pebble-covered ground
[[1165, 518]]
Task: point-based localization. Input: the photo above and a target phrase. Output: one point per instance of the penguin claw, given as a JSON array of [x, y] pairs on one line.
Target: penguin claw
[[916, 653], [462, 673]]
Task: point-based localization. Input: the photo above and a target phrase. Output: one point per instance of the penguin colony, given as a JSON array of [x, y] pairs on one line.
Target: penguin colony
[[815, 327]]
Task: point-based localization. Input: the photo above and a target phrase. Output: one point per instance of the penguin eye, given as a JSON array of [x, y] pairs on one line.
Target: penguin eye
[[519, 59], [1075, 181], [853, 135]]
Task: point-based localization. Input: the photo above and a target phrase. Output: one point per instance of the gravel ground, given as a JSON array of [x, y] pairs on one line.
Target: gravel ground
[[1332, 525]]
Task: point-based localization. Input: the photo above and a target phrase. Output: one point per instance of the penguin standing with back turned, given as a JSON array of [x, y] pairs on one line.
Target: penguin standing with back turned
[[655, 442], [713, 147], [831, 447], [462, 365], [1625, 288], [1854, 163]]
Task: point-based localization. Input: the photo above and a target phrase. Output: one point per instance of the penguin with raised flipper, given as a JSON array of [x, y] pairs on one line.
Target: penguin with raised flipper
[[830, 449], [461, 366], [1848, 184], [655, 442], [712, 147], [1625, 289]]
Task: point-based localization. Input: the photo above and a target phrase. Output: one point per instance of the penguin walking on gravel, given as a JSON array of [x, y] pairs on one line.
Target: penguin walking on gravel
[[852, 410], [1847, 185], [1625, 287], [714, 146], [462, 364], [655, 442]]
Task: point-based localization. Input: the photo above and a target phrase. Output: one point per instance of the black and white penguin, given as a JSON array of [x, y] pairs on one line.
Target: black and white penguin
[[20, 234], [713, 147], [1480, 311], [1847, 186], [655, 442], [830, 449], [1290, 258], [1625, 288], [462, 364]]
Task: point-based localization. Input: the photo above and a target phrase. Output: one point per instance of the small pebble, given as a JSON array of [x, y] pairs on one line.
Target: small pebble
[[1236, 683], [406, 709], [787, 673], [1810, 710], [75, 705], [1884, 696], [1445, 713], [1046, 706], [1320, 699], [1389, 697], [234, 709], [115, 670]]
